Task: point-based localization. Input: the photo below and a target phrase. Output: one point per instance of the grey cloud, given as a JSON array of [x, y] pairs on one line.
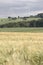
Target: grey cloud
[[21, 8]]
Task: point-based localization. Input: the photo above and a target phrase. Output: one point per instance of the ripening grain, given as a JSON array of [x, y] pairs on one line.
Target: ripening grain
[[18, 48]]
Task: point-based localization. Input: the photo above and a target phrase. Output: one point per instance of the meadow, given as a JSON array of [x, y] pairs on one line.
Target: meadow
[[23, 29], [21, 48]]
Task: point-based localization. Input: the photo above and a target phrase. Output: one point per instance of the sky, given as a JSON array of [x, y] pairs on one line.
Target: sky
[[15, 8]]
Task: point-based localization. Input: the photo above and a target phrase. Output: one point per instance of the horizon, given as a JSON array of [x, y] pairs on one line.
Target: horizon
[[22, 16]]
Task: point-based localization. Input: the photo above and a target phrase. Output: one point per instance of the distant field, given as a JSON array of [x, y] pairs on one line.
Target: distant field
[[21, 48], [21, 29]]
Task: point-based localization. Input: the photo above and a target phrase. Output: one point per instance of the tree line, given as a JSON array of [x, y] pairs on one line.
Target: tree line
[[40, 15], [33, 23]]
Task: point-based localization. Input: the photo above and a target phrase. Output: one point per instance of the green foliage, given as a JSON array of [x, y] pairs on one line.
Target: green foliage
[[12, 20], [11, 23]]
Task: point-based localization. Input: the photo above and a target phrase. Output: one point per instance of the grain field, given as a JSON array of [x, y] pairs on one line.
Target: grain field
[[18, 48]]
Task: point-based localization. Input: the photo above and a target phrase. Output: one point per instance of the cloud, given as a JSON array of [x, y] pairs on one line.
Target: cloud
[[20, 7], [5, 1], [13, 1]]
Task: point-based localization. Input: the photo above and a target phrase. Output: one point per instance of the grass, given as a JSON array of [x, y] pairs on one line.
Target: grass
[[21, 29], [19, 48], [30, 19]]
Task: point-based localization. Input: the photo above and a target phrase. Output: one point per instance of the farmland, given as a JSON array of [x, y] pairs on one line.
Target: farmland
[[35, 30], [21, 48]]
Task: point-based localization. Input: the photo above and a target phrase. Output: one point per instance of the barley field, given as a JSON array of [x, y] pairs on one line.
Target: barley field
[[21, 48]]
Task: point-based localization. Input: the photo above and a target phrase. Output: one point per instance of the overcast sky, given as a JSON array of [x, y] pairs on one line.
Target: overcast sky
[[20, 7]]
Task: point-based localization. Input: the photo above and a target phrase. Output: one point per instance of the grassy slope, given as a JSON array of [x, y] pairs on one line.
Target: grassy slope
[[5, 20]]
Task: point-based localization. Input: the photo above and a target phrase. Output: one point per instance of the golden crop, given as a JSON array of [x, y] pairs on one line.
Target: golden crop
[[14, 46]]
